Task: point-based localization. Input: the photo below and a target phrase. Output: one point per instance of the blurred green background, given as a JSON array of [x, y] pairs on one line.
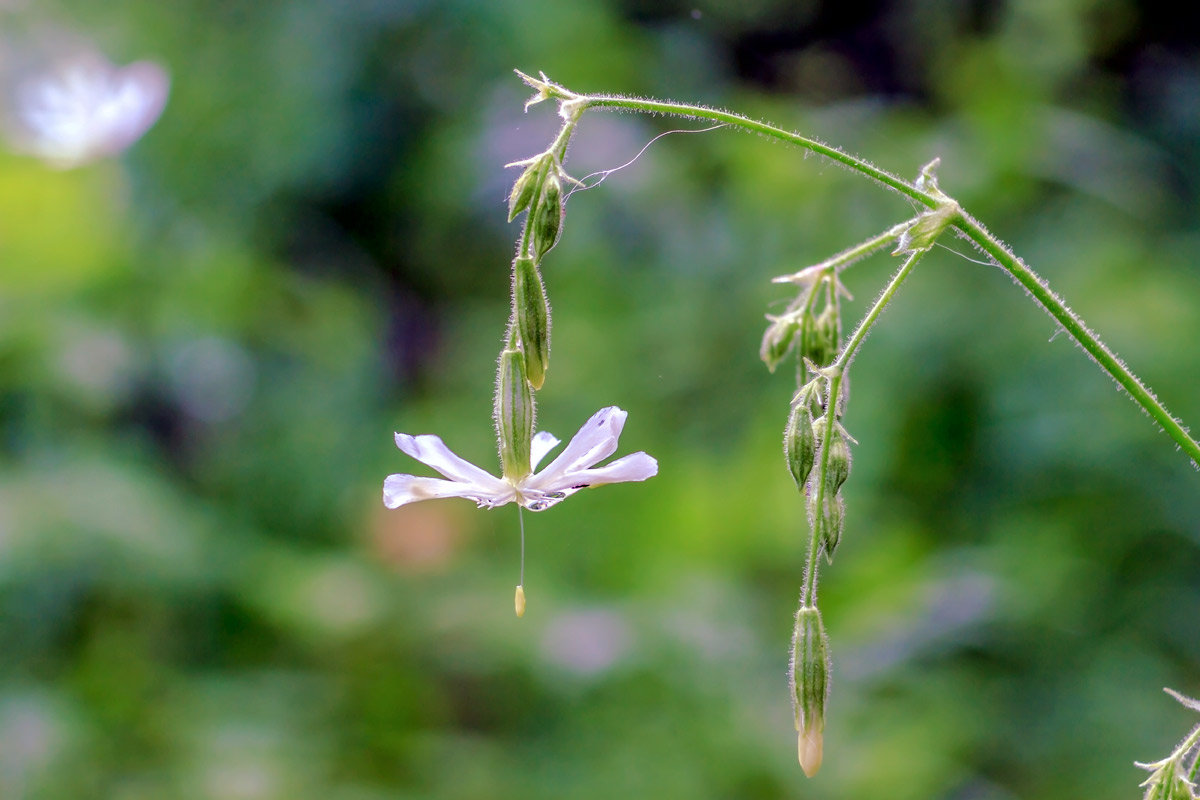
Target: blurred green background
[[206, 344]]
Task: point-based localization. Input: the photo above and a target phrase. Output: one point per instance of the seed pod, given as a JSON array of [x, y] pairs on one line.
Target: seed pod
[[777, 340], [533, 319], [514, 415], [799, 443], [548, 216], [808, 676], [524, 190]]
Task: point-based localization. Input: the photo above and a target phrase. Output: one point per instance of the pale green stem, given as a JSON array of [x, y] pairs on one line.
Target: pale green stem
[[973, 230], [836, 370], [1193, 740], [737, 120], [1079, 331]]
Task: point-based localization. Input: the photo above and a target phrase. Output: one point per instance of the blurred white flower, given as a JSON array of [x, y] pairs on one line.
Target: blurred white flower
[[571, 471], [79, 107]]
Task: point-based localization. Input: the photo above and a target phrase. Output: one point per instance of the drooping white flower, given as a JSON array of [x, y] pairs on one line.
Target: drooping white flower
[[572, 470], [81, 107]]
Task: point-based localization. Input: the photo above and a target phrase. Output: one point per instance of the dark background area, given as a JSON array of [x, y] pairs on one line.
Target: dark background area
[[206, 344]]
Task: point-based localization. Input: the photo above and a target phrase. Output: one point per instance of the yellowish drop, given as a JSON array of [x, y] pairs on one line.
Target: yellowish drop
[[519, 601], [811, 747]]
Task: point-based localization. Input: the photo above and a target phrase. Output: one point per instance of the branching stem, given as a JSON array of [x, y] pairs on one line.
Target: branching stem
[[574, 104], [836, 372]]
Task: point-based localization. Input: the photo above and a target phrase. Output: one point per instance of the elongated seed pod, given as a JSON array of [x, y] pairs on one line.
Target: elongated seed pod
[[514, 414], [533, 319]]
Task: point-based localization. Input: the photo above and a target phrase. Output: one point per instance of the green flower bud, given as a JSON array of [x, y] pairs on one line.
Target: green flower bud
[[833, 523], [525, 189], [808, 676], [533, 319], [828, 334], [819, 337], [800, 443], [807, 338], [548, 216], [514, 415], [777, 340], [839, 461]]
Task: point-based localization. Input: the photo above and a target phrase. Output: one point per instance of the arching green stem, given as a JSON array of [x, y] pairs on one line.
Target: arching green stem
[[573, 104]]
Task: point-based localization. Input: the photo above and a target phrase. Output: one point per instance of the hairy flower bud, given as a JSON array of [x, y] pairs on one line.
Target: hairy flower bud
[[808, 677], [548, 216], [838, 468], [827, 335], [799, 442], [514, 414], [777, 340], [833, 523], [525, 189], [533, 319]]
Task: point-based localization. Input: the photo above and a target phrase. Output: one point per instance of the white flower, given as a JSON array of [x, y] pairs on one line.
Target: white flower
[[83, 108], [572, 470]]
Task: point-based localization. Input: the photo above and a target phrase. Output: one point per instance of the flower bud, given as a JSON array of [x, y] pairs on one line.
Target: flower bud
[[533, 319], [548, 216], [833, 523], [806, 338], [819, 337], [777, 340], [519, 601], [800, 443], [838, 468], [809, 679], [827, 334], [524, 189], [514, 415]]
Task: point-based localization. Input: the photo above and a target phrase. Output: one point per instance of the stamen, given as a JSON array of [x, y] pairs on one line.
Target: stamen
[[519, 597]]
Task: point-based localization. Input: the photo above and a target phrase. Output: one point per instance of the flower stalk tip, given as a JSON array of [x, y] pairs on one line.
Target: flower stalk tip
[[809, 678], [811, 747]]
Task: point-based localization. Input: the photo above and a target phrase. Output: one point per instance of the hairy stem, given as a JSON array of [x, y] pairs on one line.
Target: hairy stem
[[970, 227], [1193, 740], [837, 370], [737, 120], [1079, 331]]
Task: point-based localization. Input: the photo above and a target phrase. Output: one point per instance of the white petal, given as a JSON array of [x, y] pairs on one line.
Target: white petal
[[595, 441], [540, 495], [633, 467], [542, 444], [400, 490], [431, 450]]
